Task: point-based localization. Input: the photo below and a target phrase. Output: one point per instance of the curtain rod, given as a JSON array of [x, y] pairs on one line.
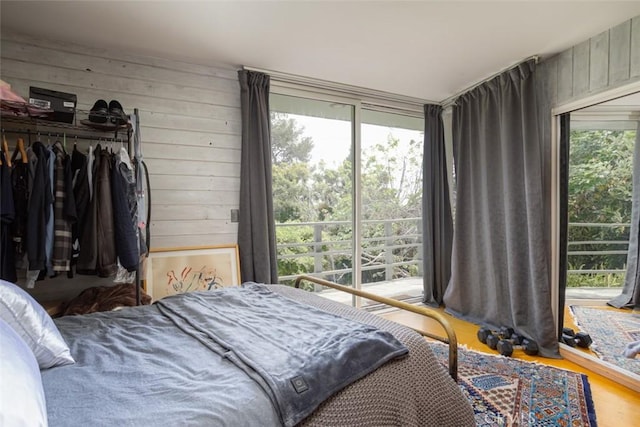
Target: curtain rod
[[452, 99], [341, 87]]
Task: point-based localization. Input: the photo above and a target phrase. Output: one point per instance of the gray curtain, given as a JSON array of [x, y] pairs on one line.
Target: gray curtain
[[499, 271], [630, 295], [437, 224], [256, 227]]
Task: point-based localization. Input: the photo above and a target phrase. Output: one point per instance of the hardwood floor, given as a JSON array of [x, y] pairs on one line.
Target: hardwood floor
[[615, 404]]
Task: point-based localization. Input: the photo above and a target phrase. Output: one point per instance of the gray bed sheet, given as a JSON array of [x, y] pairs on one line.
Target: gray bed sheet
[[140, 368], [134, 368]]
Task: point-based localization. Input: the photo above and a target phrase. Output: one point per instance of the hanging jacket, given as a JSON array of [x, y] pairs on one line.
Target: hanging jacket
[[20, 187], [39, 203], [88, 232], [48, 240], [125, 210], [7, 216], [80, 184], [64, 211], [106, 262]]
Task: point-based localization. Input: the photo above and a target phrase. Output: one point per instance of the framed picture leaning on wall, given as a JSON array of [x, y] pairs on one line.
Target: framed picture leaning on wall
[[186, 269]]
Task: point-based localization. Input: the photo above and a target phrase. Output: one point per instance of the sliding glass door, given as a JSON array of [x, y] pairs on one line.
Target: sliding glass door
[[347, 186], [312, 154], [391, 196]]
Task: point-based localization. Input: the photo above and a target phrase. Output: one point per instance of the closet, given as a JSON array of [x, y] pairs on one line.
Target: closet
[[75, 201]]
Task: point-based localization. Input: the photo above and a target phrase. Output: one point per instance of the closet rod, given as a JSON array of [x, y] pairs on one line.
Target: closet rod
[[65, 134]]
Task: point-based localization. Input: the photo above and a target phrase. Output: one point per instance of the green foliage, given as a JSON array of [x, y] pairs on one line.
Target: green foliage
[[287, 143], [599, 280], [286, 239], [600, 191], [600, 176], [291, 179], [391, 181]]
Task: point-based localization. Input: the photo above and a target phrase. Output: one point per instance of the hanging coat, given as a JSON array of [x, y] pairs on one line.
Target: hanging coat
[[20, 187], [64, 211], [125, 210], [80, 184], [87, 228], [106, 262], [7, 216], [39, 202]]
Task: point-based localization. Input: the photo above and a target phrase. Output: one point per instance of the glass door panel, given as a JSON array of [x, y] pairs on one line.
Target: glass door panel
[[312, 152], [391, 197], [599, 203]]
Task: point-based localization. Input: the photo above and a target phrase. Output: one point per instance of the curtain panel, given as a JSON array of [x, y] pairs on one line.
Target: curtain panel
[[500, 254], [256, 226], [437, 224], [630, 296]]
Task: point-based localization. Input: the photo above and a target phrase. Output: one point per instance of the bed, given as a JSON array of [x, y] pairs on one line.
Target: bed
[[172, 364]]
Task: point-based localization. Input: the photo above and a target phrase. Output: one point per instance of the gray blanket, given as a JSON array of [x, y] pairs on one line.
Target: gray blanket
[[134, 367], [300, 355], [137, 367]]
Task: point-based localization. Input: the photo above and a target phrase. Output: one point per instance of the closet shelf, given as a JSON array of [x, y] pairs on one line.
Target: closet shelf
[[81, 126]]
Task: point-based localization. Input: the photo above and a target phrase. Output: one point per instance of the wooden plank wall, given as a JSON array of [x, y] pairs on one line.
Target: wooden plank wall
[[605, 61], [190, 127]]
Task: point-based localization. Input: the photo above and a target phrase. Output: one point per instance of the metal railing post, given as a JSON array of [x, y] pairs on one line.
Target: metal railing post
[[388, 251]]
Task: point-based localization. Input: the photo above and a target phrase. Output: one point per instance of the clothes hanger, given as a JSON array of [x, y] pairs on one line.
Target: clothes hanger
[[20, 150], [61, 144], [5, 150]]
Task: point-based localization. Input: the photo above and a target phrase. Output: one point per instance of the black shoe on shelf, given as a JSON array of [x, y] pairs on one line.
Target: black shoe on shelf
[[99, 113], [116, 113]]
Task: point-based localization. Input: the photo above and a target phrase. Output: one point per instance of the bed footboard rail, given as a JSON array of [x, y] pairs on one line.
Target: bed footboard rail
[[450, 338]]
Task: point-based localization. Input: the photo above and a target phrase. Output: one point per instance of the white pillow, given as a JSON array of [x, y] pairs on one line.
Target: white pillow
[[22, 401], [34, 325]]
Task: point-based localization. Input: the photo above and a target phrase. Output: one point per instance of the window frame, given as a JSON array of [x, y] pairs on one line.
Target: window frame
[[359, 101]]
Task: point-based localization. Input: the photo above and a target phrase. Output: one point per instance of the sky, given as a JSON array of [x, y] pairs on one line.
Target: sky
[[332, 138]]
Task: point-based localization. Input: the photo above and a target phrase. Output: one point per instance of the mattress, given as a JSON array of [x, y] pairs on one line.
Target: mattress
[[135, 367]]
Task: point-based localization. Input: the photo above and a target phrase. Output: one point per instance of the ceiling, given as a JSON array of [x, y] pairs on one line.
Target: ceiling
[[429, 50]]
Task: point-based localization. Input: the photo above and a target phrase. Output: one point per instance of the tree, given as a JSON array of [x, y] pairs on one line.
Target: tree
[[391, 179], [600, 191], [291, 153], [287, 143]]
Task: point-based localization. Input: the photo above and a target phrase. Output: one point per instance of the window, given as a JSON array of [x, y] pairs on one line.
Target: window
[[347, 188], [600, 191]]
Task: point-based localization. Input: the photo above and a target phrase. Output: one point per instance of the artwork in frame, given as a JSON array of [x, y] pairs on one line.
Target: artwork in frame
[[176, 270]]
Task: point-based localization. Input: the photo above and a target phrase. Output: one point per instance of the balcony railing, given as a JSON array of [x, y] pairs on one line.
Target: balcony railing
[[392, 249], [599, 254]]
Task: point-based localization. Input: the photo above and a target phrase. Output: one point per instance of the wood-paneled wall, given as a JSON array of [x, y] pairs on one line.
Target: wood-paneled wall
[[605, 61], [190, 128]]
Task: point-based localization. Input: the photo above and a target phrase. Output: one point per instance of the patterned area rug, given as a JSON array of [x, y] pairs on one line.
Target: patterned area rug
[[510, 392], [610, 331]]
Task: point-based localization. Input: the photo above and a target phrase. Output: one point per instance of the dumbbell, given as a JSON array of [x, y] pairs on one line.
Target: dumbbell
[[505, 340], [491, 338], [580, 339], [505, 347]]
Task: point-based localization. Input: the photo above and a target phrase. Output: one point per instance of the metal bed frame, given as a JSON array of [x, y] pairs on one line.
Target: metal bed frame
[[450, 339]]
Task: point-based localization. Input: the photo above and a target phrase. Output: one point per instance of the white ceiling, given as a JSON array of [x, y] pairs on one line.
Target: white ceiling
[[423, 49]]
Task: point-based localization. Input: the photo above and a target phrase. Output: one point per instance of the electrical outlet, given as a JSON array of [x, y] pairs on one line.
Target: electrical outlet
[[235, 215]]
